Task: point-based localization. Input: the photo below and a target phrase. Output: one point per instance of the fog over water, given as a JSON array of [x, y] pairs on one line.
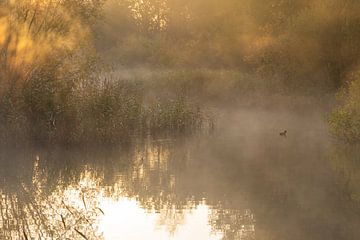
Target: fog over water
[[178, 119], [244, 181]]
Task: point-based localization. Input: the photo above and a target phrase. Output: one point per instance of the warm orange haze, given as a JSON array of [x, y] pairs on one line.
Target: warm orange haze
[[179, 119]]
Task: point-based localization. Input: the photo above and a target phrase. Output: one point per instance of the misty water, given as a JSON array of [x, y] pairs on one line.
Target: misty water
[[243, 181]]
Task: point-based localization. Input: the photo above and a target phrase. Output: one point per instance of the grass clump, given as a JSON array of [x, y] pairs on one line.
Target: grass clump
[[110, 111], [176, 115]]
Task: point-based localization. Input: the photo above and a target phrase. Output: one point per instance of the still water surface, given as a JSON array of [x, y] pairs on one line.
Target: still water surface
[[242, 182]]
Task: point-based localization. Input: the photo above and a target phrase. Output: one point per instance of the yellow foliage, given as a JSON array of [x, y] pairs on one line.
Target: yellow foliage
[[26, 48]]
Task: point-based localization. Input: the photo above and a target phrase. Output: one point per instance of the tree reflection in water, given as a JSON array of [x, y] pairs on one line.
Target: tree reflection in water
[[30, 211], [60, 194], [345, 160], [234, 224], [181, 189]]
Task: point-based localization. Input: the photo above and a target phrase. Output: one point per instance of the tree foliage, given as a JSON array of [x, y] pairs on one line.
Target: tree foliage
[[297, 41]]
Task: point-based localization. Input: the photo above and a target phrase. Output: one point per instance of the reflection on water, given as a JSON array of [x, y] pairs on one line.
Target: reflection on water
[[128, 220], [127, 193], [241, 184], [345, 160]]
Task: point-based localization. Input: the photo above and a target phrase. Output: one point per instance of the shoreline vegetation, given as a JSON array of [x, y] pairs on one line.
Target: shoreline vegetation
[[52, 88], [108, 112], [57, 86]]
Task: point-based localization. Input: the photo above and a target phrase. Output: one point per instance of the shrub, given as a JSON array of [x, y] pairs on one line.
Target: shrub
[[345, 119]]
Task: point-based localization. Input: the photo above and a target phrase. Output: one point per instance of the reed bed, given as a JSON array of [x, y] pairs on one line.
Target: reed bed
[[100, 110]]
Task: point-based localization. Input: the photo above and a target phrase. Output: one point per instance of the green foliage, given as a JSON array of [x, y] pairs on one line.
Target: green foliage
[[345, 119]]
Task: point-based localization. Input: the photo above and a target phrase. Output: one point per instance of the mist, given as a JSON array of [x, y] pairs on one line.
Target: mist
[[178, 119], [299, 43]]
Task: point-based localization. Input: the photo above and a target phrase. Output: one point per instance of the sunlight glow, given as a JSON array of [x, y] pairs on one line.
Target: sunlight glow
[[125, 219]]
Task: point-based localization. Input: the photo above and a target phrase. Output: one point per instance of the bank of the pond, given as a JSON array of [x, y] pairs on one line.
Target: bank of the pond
[[106, 112]]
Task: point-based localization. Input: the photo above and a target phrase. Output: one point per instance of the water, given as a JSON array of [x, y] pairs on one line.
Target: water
[[243, 182]]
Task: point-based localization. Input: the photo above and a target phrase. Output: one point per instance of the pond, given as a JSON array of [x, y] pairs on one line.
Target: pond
[[244, 181]]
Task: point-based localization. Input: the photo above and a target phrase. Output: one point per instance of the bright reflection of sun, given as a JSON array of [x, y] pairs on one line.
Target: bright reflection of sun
[[125, 219]]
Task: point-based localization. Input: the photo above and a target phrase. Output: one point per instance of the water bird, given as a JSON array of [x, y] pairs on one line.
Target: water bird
[[283, 134]]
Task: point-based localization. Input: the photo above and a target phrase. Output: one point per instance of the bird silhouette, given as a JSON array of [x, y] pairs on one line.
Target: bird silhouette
[[283, 134]]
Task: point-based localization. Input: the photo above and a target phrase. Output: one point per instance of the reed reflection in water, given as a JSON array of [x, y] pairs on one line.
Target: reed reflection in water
[[124, 193], [245, 183]]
